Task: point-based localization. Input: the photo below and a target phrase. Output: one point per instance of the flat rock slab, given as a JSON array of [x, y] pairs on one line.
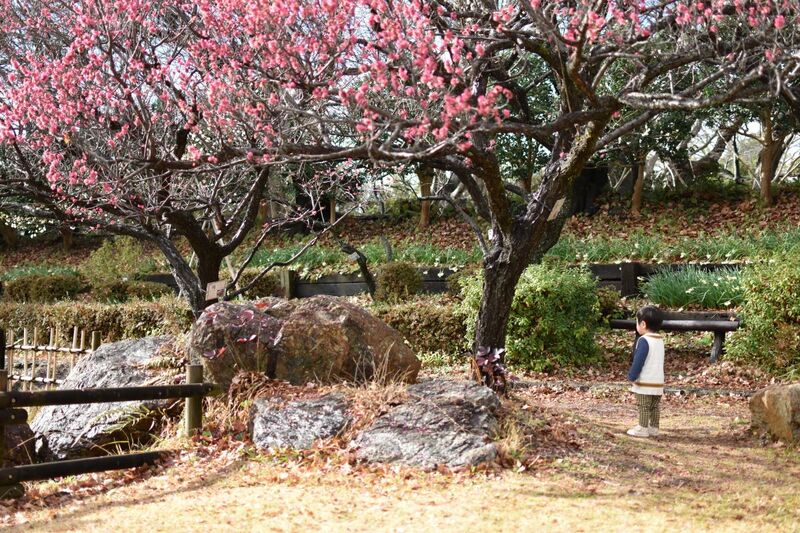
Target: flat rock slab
[[297, 424], [81, 430], [443, 423]]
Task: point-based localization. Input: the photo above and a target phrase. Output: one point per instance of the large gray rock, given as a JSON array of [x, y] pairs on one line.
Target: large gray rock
[[87, 429], [443, 423], [777, 410], [324, 339], [298, 424]]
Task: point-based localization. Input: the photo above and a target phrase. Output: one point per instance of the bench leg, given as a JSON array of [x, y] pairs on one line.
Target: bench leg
[[718, 348]]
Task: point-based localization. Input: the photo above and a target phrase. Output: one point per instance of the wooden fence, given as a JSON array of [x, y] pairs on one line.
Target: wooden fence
[[32, 362], [625, 277], [434, 280], [12, 404]]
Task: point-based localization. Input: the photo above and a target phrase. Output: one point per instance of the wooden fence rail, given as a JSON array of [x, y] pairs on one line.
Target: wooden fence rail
[[10, 413]]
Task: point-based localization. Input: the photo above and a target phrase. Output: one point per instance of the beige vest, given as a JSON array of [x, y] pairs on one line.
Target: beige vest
[[651, 379]]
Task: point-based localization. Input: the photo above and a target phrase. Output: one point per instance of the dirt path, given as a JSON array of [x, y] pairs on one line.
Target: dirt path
[[704, 473]]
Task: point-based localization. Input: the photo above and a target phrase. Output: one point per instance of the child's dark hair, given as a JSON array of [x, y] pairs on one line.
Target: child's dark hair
[[651, 315]]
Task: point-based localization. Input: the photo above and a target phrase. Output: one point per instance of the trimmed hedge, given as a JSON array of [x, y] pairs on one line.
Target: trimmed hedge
[[429, 324], [397, 282], [115, 322], [122, 291], [43, 287], [268, 285]]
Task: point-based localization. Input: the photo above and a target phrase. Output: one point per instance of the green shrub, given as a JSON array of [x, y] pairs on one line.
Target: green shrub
[[117, 259], [115, 322], [770, 336], [43, 288], [122, 291], [694, 287], [554, 315], [456, 280], [609, 300], [429, 324], [268, 285], [397, 281]]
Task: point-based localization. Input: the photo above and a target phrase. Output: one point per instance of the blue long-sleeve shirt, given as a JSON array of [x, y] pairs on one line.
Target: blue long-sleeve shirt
[[639, 357]]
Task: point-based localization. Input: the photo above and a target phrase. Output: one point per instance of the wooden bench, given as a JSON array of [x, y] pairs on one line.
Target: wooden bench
[[718, 327]]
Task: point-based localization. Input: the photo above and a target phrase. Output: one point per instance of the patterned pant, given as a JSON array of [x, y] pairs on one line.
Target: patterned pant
[[649, 410]]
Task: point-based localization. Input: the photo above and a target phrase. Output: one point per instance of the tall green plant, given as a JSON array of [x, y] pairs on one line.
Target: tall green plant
[[695, 287]]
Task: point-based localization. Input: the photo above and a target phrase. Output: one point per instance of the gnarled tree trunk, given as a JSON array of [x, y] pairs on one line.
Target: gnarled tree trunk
[[770, 156], [521, 240], [425, 175]]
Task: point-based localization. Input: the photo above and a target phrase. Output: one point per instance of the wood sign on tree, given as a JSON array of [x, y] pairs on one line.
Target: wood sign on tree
[[124, 110]]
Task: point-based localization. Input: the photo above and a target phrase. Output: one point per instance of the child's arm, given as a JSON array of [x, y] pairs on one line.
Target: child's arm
[[639, 357]]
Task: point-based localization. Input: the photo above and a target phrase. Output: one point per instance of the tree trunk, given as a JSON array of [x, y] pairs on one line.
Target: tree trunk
[[187, 281], [769, 157], [737, 172], [425, 175], [67, 236], [517, 240], [638, 190], [525, 184], [264, 213], [8, 234], [499, 283], [332, 213], [208, 267]]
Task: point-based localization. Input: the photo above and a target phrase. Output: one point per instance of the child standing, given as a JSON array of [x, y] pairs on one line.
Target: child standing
[[647, 372]]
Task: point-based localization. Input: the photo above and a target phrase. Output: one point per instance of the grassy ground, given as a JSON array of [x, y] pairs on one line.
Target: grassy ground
[[706, 472]]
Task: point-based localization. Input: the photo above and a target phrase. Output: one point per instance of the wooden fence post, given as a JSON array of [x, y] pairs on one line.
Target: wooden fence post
[[194, 404], [630, 279], [7, 490], [3, 389], [2, 349], [287, 282], [95, 340]]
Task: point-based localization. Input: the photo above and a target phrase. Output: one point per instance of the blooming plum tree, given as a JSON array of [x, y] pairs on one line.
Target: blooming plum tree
[[130, 106]]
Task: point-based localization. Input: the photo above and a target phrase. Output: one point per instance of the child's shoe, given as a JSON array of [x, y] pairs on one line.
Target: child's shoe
[[652, 431], [638, 431]]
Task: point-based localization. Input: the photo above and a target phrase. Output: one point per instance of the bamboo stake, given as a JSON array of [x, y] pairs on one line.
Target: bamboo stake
[[26, 355], [75, 346], [10, 354], [48, 355]]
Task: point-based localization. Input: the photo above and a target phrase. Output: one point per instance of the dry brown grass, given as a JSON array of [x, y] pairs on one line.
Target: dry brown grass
[[706, 473]]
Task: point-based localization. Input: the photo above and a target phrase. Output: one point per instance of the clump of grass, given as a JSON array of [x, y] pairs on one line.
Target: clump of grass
[[695, 287], [718, 248], [36, 270]]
